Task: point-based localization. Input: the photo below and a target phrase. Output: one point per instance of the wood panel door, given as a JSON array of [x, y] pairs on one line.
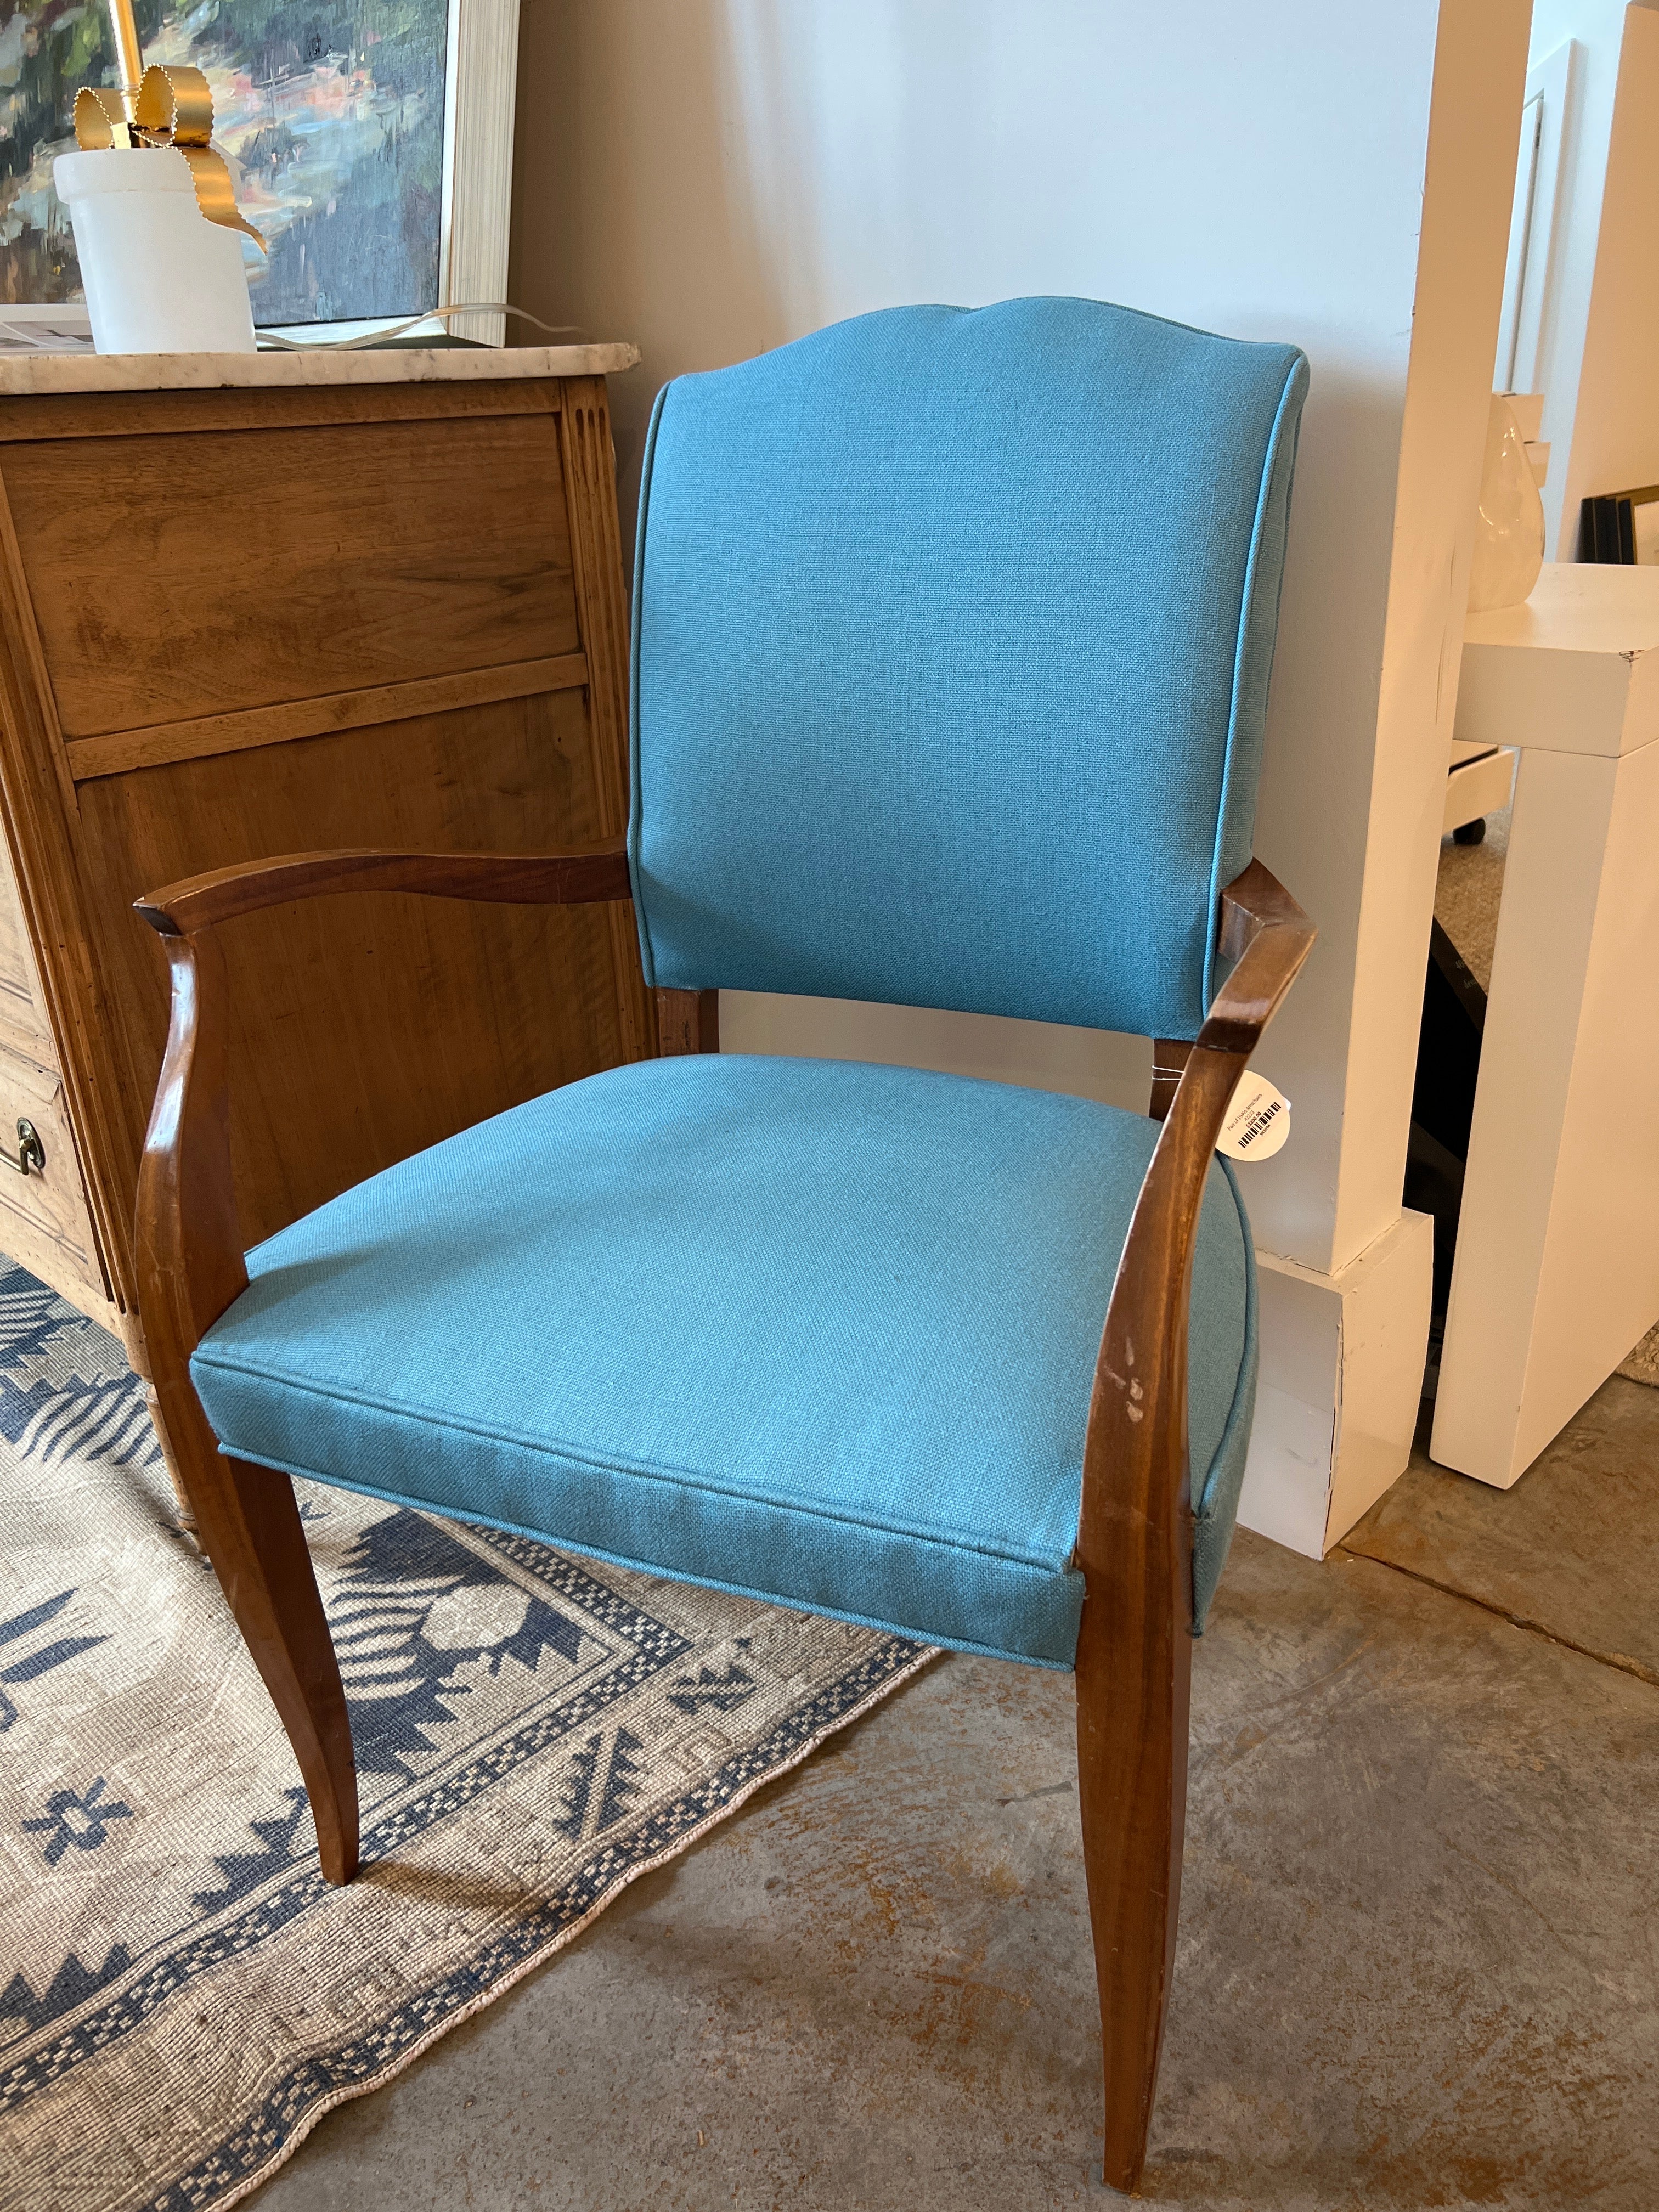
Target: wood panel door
[[246, 623]]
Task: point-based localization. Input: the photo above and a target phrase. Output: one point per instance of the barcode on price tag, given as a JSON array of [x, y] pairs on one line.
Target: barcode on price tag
[[1258, 1121]]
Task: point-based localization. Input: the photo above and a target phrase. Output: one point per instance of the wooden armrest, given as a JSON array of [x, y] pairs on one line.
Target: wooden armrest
[[1265, 933], [1140, 1381], [574, 879], [1135, 1533], [189, 1244]]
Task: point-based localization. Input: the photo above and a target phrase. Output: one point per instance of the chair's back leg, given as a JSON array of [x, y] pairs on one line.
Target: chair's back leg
[[688, 1021], [1132, 1722]]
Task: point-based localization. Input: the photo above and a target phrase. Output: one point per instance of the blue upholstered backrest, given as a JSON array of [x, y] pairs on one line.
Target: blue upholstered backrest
[[951, 640]]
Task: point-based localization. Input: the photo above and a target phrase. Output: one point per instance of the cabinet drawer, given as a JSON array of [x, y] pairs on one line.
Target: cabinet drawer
[[44, 1222], [22, 1019]]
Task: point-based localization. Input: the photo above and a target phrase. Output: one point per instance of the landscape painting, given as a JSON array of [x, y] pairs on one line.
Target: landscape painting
[[330, 112]]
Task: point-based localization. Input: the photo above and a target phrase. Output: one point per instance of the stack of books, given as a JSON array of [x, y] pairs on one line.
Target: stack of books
[[1623, 527]]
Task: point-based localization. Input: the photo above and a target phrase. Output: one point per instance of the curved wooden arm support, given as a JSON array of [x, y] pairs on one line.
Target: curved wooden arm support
[[190, 1269], [575, 879], [189, 1264], [1134, 1535]]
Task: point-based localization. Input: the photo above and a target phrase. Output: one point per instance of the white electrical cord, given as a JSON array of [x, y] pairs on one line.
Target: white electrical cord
[[270, 338]]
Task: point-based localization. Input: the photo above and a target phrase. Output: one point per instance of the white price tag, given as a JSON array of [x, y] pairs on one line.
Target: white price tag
[[1258, 1121]]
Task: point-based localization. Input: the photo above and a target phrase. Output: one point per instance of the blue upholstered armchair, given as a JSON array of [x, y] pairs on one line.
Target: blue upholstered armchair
[[951, 641]]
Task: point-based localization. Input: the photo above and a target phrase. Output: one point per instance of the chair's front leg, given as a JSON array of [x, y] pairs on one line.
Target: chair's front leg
[[250, 1528], [1135, 1531], [1134, 1648], [190, 1262], [1133, 1687], [190, 1269]]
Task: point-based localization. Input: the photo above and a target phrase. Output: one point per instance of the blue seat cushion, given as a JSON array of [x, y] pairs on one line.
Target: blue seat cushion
[[818, 1332]]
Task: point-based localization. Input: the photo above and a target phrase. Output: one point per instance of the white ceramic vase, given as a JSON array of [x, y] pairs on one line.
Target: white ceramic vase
[[158, 276], [1508, 531]]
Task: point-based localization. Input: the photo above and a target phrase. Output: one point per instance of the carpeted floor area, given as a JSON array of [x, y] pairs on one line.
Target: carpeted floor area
[[182, 1995], [1468, 891]]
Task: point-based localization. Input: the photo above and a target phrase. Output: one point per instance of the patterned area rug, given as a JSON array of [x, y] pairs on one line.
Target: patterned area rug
[[181, 1995]]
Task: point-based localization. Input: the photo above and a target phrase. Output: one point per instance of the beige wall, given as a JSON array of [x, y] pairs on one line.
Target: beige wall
[[712, 177]]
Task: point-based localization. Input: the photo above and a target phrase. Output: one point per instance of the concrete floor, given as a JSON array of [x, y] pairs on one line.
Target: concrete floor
[[1417, 1942]]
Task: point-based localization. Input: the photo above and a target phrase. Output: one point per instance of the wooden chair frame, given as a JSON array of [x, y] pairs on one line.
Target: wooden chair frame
[[1135, 1537]]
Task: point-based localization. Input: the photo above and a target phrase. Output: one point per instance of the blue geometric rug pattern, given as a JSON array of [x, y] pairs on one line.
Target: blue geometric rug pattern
[[181, 1995]]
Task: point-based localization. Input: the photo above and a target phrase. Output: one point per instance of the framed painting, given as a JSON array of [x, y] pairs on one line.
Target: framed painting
[[372, 142]]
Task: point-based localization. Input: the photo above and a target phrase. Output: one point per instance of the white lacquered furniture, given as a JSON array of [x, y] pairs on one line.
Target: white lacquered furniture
[[1557, 1272], [1478, 782]]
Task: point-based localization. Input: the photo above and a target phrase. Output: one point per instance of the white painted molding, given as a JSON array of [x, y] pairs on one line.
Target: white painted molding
[[1336, 1402]]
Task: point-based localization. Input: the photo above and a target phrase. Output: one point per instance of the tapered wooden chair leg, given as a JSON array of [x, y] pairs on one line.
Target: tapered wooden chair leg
[[1131, 1787], [251, 1529], [189, 1250]]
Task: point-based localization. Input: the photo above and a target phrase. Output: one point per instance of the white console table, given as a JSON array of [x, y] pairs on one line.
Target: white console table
[[1557, 1271]]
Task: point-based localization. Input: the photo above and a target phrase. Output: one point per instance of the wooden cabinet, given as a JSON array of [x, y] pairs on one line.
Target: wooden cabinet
[[256, 605]]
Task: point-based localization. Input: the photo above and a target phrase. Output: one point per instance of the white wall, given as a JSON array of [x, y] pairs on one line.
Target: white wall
[[1598, 25], [1615, 433], [712, 177]]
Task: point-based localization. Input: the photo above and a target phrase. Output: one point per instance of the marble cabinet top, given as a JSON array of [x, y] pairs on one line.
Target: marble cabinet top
[[203, 372]]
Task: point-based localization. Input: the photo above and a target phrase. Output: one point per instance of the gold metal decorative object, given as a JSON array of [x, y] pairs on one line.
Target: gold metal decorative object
[[168, 106], [101, 119], [128, 56]]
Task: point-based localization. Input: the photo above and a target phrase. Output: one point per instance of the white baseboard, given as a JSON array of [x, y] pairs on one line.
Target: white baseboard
[[1342, 1359]]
